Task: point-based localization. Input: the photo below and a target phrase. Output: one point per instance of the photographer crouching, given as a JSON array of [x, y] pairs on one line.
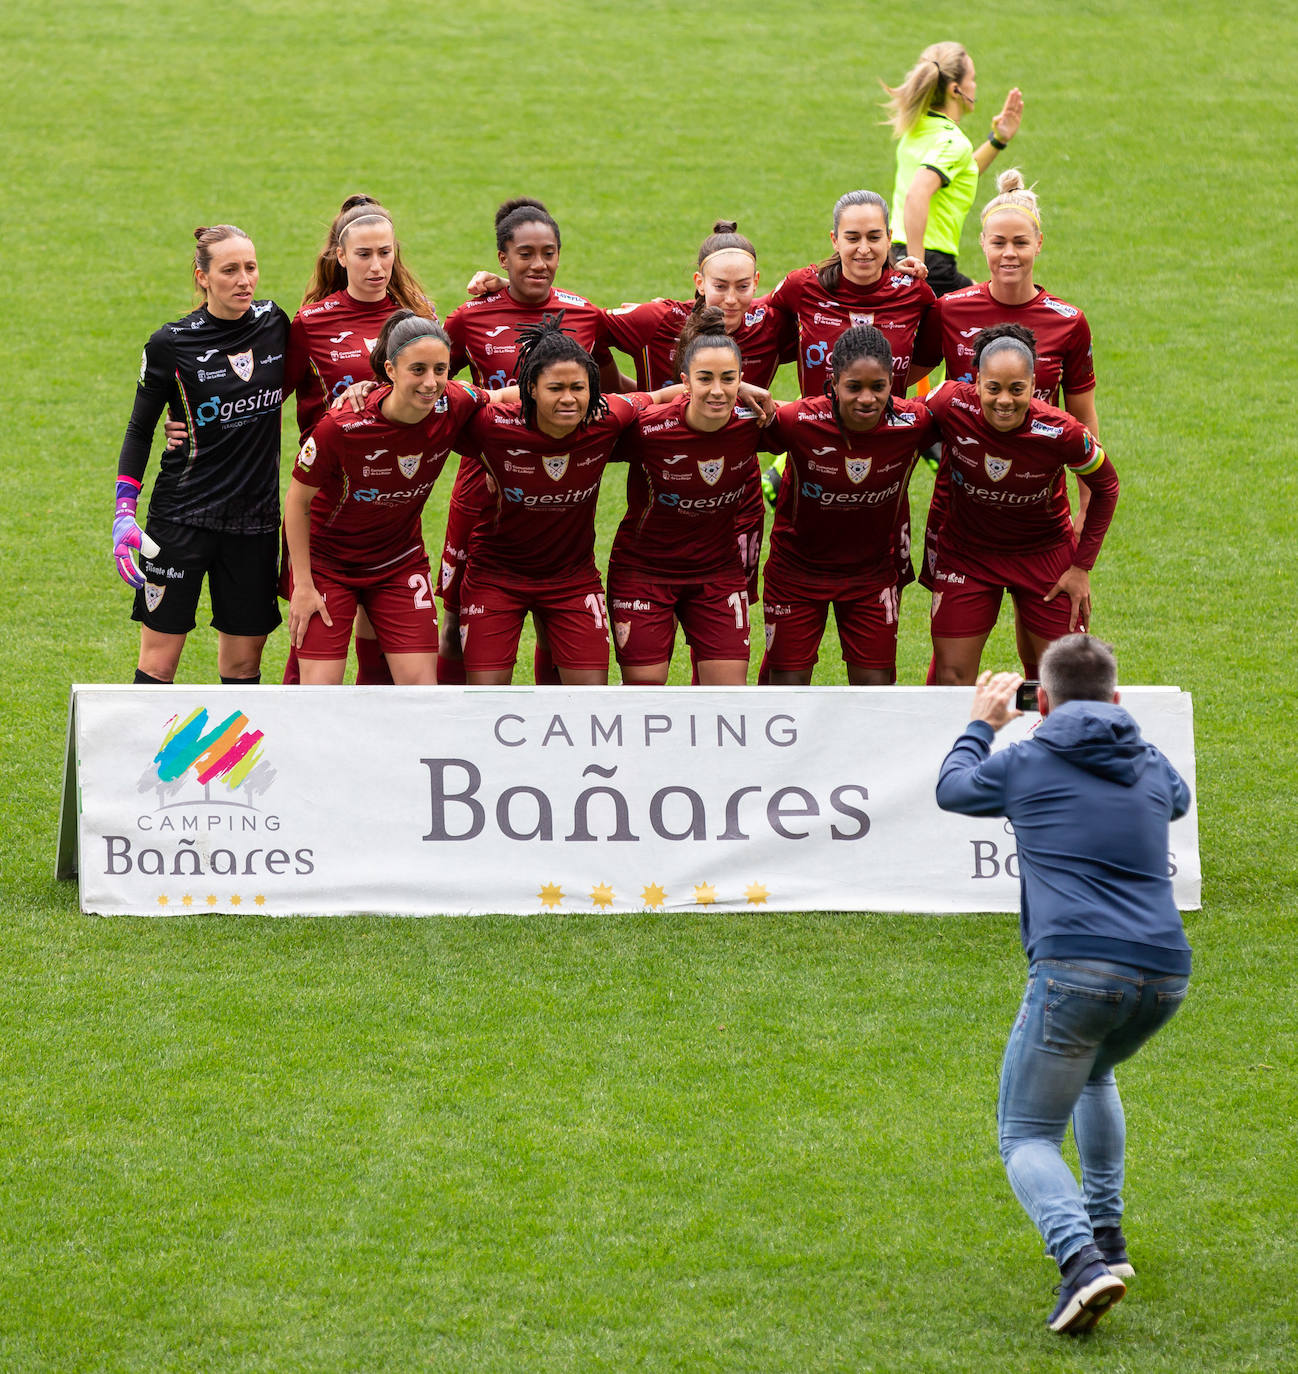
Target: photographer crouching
[[1090, 802]]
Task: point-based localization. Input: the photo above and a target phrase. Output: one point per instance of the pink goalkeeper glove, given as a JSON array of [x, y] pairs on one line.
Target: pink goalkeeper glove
[[127, 535]]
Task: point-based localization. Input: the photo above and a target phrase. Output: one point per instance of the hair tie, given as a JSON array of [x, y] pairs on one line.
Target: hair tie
[[734, 248], [992, 207]]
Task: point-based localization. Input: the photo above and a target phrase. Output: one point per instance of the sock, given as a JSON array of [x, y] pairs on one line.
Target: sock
[[292, 673], [143, 677], [544, 673], [450, 671], [241, 681], [371, 667], [764, 672]]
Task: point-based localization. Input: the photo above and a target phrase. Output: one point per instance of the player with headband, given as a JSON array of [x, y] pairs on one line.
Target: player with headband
[[1064, 373], [1007, 525], [214, 507]]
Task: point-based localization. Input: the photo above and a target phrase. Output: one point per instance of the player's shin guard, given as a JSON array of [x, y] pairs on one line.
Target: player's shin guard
[[371, 667]]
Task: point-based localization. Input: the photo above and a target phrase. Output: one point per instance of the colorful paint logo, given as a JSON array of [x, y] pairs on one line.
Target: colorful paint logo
[[227, 751]]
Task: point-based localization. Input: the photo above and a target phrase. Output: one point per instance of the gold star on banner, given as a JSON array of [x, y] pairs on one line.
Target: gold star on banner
[[550, 895], [162, 901], [653, 895], [602, 895], [236, 900], [187, 900], [211, 899], [704, 894], [259, 899], [756, 894]]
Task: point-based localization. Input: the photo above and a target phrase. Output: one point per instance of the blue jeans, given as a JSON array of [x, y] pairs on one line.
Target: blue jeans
[[1078, 1019]]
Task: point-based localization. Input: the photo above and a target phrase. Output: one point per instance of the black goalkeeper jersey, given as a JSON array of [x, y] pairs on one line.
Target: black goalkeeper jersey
[[225, 380]]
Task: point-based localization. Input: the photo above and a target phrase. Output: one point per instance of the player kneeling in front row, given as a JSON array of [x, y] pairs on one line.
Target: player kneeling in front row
[[1090, 802]]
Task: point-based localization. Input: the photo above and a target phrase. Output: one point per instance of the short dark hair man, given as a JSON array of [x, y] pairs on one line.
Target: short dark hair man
[[1090, 802]]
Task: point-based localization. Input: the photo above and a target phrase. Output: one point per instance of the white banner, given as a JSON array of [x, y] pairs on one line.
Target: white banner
[[323, 800]]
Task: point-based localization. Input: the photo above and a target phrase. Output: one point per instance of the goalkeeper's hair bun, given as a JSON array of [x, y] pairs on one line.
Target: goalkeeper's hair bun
[[207, 237]]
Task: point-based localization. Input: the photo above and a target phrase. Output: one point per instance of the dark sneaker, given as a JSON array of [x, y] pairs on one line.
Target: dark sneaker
[[1112, 1244], [1086, 1293]]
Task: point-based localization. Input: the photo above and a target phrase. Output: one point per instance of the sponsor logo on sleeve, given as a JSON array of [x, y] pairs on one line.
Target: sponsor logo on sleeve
[[753, 317], [242, 364], [1046, 431], [1059, 307], [307, 456]]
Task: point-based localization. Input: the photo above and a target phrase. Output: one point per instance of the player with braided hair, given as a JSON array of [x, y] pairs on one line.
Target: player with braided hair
[[834, 541], [542, 459]]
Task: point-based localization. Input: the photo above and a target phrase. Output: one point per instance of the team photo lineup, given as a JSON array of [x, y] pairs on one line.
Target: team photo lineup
[[522, 354], [703, 446]]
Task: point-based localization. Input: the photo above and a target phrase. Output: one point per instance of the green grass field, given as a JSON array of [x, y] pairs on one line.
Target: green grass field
[[577, 1142]]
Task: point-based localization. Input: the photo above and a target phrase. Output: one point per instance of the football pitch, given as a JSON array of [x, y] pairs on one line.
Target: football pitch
[[646, 1142]]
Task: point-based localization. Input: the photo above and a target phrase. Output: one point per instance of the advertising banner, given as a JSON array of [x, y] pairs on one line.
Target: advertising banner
[[419, 801]]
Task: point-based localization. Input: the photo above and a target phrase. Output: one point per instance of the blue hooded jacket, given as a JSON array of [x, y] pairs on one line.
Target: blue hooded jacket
[[1090, 802]]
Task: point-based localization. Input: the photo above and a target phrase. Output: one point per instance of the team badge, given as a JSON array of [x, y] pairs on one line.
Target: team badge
[[153, 595], [859, 317], [711, 469], [996, 467], [448, 572], [937, 601], [858, 469], [242, 364], [464, 635], [621, 632], [555, 466], [770, 635], [369, 344], [144, 366], [408, 463], [307, 455]]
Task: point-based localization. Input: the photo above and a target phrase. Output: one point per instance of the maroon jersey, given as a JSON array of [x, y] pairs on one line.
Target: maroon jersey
[[1064, 363], [540, 533], [373, 478], [895, 304], [484, 334], [1005, 495], [648, 333], [684, 489], [329, 346], [836, 524]]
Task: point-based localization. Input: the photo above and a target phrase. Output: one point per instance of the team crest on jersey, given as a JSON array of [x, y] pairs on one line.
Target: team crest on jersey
[[996, 467], [621, 632], [242, 364], [711, 469], [153, 595], [860, 317], [369, 343], [858, 469], [307, 455], [555, 466], [408, 463]]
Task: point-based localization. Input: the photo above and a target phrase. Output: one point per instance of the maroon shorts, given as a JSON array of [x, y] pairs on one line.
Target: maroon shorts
[[491, 618], [461, 521], [967, 593], [399, 604], [713, 615], [795, 625]]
